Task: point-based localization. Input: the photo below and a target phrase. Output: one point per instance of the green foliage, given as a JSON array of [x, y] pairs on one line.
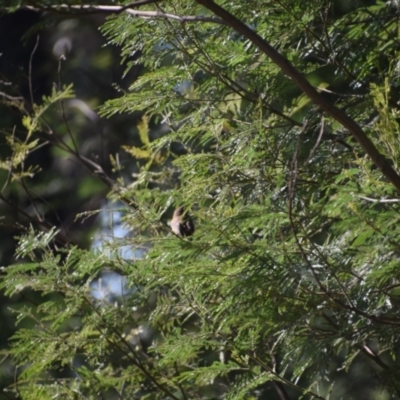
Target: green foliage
[[291, 279], [32, 123]]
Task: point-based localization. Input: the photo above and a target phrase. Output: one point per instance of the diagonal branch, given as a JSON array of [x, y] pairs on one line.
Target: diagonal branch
[[299, 79]]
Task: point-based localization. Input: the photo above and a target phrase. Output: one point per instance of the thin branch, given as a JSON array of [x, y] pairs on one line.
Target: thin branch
[[321, 131], [64, 117], [16, 382], [373, 356], [11, 98], [11, 165], [95, 9], [28, 194], [379, 200], [362, 96], [178, 383], [30, 68], [280, 389]]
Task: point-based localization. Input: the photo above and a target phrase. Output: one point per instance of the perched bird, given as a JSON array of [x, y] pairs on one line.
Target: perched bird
[[181, 224]]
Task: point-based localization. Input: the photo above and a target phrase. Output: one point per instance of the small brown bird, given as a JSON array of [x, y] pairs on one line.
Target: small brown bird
[[181, 224]]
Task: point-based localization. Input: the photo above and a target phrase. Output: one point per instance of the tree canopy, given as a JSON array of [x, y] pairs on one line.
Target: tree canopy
[[275, 124]]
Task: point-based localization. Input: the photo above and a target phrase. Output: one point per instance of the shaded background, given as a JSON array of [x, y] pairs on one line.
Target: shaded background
[[68, 50]]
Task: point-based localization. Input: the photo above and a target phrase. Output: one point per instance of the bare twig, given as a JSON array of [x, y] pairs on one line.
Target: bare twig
[[373, 356], [11, 98], [30, 68], [11, 166], [28, 193], [64, 117], [16, 382], [95, 9], [280, 389], [178, 383], [321, 131], [379, 200]]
